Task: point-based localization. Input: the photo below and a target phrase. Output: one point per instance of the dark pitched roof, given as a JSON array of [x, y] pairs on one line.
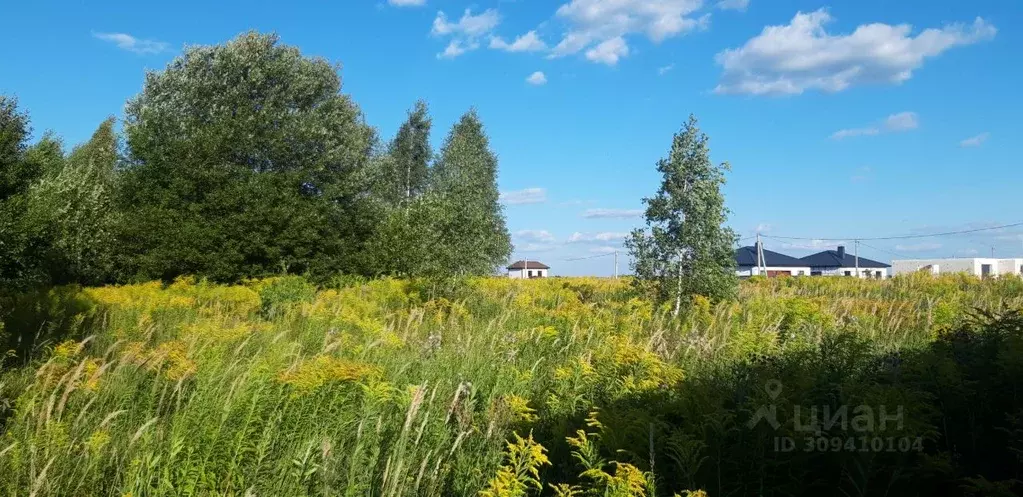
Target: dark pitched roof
[[530, 265], [839, 258], [747, 256]]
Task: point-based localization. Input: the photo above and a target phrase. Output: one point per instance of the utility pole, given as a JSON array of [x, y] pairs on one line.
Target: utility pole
[[616, 264], [525, 266], [856, 253], [760, 256]]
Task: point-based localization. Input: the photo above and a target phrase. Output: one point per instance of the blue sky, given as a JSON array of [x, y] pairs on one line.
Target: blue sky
[[840, 119]]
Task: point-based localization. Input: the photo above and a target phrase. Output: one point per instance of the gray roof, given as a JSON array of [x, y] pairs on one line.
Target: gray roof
[[747, 256], [831, 258]]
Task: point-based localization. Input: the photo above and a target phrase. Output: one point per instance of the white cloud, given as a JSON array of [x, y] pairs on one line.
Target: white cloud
[[469, 25], [975, 141], [801, 55], [130, 43], [661, 71], [534, 247], [603, 237], [601, 25], [740, 5], [525, 196], [609, 51], [407, 3], [537, 78], [612, 213], [846, 133], [535, 236], [604, 250], [903, 121], [764, 228], [529, 42], [919, 247], [466, 32], [456, 48]]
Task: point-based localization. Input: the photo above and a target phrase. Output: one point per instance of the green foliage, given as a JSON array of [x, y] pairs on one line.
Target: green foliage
[[392, 387], [279, 294], [73, 206], [475, 238], [686, 250], [404, 177], [244, 159], [15, 173]]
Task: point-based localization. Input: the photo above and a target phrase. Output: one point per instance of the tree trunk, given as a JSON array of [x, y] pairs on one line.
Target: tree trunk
[[678, 289]]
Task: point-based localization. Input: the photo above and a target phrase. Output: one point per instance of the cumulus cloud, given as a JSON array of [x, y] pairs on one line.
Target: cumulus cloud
[[130, 43], [529, 42], [456, 48], [903, 121], [612, 213], [609, 51], [466, 32], [525, 196], [802, 55], [537, 78], [407, 3], [543, 236], [975, 141], [600, 26]]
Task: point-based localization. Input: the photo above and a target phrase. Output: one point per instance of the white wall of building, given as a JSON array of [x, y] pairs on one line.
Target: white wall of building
[[864, 272], [744, 271], [972, 265], [1010, 266], [524, 273]]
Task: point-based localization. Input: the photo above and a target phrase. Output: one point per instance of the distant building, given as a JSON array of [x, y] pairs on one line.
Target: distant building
[[746, 263], [840, 263], [528, 269], [977, 266]]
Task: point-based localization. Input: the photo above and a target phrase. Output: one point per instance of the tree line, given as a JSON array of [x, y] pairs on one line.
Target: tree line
[[243, 160]]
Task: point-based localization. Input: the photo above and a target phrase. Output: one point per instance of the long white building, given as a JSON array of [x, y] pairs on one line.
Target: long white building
[[977, 266]]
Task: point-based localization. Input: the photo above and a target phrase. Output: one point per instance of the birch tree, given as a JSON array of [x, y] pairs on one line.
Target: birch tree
[[685, 248]]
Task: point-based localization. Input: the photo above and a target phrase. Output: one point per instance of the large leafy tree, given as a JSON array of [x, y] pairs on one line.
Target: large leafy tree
[[472, 226], [21, 238], [16, 175], [244, 159], [72, 205], [686, 249], [406, 173]]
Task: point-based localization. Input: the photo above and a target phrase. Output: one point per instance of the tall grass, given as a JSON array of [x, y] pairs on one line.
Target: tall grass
[[396, 388]]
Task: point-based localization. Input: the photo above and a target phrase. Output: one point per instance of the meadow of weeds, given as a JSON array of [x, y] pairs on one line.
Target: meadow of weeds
[[563, 386]]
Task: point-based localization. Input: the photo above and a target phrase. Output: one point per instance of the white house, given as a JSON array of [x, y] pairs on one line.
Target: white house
[[841, 263], [977, 266], [528, 269], [773, 264]]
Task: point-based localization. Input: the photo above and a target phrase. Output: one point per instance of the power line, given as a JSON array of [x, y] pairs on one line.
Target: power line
[[590, 257], [898, 237], [883, 250]]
